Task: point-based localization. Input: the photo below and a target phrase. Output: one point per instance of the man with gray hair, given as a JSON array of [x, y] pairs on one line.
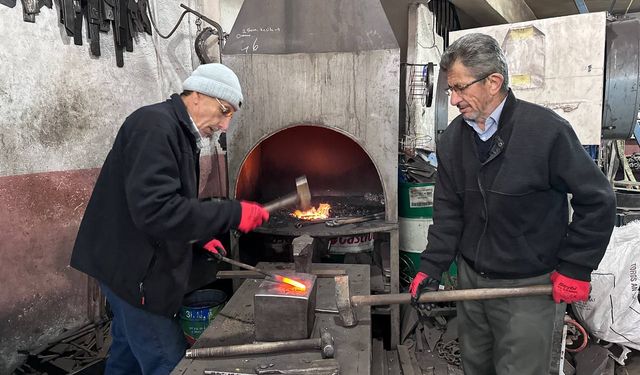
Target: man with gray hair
[[505, 168], [144, 215]]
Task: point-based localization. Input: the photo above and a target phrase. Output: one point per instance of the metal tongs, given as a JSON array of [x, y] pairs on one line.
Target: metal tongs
[[354, 220]]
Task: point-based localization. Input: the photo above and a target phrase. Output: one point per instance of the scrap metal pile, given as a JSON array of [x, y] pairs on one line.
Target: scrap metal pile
[[420, 168], [82, 350]]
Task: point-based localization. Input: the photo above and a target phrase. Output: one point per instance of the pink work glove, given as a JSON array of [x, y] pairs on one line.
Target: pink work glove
[[422, 283], [214, 246], [252, 216], [568, 290]]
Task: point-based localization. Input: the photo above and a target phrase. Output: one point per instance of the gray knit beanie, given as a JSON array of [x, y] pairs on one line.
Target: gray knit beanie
[[216, 80]]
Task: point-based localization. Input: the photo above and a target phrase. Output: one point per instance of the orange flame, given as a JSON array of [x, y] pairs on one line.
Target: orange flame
[[322, 212], [293, 283]]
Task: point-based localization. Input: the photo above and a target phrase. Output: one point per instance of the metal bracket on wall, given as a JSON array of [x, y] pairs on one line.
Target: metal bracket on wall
[[582, 7]]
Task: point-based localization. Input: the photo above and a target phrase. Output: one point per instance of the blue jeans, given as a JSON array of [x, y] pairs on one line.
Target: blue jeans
[[142, 342]]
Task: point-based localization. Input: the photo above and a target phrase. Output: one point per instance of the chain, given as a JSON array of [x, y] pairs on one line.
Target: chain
[[449, 351], [199, 24]]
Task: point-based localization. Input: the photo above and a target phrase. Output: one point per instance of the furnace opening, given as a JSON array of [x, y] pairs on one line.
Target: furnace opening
[[335, 165]]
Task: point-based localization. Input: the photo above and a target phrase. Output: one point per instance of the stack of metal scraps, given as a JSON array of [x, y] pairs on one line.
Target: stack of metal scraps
[[429, 343], [416, 169]]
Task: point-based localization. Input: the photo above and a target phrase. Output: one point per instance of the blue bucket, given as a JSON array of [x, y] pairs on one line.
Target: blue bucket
[[198, 309]]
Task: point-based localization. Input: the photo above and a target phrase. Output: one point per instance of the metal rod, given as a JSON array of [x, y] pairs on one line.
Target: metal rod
[[237, 274], [256, 348], [247, 267], [452, 295]]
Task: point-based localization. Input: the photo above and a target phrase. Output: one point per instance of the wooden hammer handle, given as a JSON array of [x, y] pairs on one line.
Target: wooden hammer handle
[[452, 295]]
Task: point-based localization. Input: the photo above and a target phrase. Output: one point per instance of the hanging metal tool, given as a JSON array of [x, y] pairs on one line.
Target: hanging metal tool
[[9, 3], [203, 35], [30, 7]]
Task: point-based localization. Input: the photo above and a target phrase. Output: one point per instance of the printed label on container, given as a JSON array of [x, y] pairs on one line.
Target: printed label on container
[[351, 244], [421, 196]]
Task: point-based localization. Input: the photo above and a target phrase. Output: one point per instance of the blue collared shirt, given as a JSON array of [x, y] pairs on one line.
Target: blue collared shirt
[[491, 125], [196, 134]]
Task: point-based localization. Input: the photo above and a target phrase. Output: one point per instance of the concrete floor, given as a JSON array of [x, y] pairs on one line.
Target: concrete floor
[[632, 363]]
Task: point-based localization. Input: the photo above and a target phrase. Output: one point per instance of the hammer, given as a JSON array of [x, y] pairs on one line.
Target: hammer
[[346, 303], [301, 197], [324, 343]]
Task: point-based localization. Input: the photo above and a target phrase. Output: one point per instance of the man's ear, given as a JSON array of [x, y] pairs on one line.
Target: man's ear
[[496, 80]]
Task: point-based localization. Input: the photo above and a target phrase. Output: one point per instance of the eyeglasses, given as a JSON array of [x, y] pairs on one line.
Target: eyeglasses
[[459, 89], [226, 112]]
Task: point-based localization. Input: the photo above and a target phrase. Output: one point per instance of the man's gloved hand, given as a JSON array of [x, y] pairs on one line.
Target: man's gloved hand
[[215, 247], [252, 216], [422, 283], [568, 290]]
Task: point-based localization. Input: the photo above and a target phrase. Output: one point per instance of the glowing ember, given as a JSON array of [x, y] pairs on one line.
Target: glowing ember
[[293, 283], [322, 212]]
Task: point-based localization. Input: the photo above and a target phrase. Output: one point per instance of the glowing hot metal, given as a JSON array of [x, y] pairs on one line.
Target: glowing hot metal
[[292, 282]]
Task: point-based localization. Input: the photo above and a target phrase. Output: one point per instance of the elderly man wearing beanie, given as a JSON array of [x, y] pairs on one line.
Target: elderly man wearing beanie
[[144, 215]]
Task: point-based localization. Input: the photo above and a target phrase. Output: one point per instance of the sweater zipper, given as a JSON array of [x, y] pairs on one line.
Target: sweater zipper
[[495, 151], [141, 284]]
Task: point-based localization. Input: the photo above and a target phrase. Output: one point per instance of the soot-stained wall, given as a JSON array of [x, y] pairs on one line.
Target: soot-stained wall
[[60, 109]]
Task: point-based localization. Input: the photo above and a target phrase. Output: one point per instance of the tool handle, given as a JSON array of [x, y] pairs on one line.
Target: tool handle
[[452, 295], [286, 201]]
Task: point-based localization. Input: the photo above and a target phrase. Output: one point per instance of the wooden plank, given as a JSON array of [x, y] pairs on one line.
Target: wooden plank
[[378, 359], [405, 360], [394, 249]]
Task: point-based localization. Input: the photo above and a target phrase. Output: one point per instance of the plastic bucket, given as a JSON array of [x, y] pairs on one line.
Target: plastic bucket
[[198, 309], [415, 199], [409, 266], [413, 233]]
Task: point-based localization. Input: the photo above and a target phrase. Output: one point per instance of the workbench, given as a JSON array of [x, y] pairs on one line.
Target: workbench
[[234, 325]]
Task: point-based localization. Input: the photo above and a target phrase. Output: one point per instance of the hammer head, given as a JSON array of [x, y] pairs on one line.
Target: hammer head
[[343, 301], [304, 195]]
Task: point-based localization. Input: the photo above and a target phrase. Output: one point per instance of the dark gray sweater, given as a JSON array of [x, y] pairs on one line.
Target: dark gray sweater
[[508, 216]]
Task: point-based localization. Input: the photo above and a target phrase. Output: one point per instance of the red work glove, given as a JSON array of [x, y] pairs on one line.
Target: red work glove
[[252, 216], [568, 290], [214, 246], [422, 283]]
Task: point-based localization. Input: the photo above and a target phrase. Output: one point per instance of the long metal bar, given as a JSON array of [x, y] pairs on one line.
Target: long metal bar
[[237, 274], [256, 348], [247, 267], [452, 295]]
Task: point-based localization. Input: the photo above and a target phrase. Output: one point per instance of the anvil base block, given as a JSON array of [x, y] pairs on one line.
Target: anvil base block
[[282, 312]]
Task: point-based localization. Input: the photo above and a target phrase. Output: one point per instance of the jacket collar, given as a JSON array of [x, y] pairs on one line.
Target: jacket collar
[[501, 137], [183, 117]]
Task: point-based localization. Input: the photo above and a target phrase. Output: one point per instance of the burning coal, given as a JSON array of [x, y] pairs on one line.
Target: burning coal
[[322, 212]]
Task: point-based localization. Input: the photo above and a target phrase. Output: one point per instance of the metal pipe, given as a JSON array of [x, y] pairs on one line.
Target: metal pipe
[[256, 348]]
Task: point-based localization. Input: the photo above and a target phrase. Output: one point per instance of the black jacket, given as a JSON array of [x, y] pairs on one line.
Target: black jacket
[[508, 217], [144, 213]]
